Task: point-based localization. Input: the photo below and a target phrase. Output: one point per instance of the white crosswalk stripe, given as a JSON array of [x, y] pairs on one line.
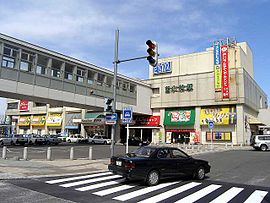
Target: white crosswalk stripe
[[99, 185], [170, 193], [113, 190], [142, 191], [77, 178], [107, 185], [256, 196], [199, 194], [90, 181], [228, 195]]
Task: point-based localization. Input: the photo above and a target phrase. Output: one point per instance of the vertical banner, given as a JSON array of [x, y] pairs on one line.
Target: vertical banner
[[24, 105], [225, 72], [217, 67]]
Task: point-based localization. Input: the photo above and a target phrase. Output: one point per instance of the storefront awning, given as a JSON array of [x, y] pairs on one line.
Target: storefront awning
[[254, 121]]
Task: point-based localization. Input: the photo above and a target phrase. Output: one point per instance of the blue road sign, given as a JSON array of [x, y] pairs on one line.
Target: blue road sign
[[127, 113], [210, 124], [111, 117]]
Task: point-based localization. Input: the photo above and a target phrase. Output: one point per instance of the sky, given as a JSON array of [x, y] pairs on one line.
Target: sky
[[85, 29]]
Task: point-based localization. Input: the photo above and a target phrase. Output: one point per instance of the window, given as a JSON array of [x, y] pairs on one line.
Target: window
[[155, 90], [25, 66], [90, 77], [119, 84], [109, 81], [55, 73], [68, 76], [41, 70], [178, 154], [125, 86], [163, 153], [100, 79], [8, 62], [80, 75], [10, 51], [132, 88], [13, 105]]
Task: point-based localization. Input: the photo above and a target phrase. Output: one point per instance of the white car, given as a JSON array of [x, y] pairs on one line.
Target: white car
[[98, 139], [73, 139], [4, 140]]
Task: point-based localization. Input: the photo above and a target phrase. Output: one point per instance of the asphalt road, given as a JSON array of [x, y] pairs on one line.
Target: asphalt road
[[234, 174]]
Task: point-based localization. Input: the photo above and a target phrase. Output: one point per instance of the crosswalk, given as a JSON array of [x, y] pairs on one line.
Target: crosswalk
[[114, 187]]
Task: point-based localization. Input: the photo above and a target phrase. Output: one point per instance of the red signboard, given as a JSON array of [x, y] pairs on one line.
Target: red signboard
[[148, 120], [24, 105], [180, 130], [225, 72]]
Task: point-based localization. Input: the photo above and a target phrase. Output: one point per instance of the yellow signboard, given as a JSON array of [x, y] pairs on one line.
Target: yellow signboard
[[219, 115], [217, 69], [24, 121], [38, 120], [54, 120]]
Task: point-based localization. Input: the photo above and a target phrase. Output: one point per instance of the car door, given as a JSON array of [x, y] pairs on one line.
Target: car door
[[184, 163], [165, 163]]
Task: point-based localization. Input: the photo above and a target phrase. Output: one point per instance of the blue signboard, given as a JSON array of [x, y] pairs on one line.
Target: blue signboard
[[210, 124], [111, 117], [165, 67], [217, 53]]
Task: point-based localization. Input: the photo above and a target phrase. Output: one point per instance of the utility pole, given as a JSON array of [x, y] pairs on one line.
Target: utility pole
[[114, 87]]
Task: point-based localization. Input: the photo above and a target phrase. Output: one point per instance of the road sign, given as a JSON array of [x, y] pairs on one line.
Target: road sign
[[210, 124], [111, 117], [127, 113]]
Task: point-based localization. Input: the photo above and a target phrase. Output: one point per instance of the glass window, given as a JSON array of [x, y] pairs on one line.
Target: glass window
[[125, 86], [68, 76], [55, 73], [132, 88], [178, 154], [80, 75], [163, 153], [100, 79], [41, 70], [109, 81], [90, 77], [8, 62], [119, 84], [25, 66], [155, 90]]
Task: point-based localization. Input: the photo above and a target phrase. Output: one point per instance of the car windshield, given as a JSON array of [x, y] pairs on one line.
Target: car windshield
[[143, 152]]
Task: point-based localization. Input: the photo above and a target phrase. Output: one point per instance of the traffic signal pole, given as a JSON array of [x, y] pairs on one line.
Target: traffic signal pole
[[116, 61]]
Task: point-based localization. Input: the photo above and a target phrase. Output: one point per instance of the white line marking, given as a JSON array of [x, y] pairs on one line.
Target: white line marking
[[199, 194], [113, 190], [142, 191], [90, 181], [170, 193], [256, 196], [228, 195], [99, 185], [77, 178]]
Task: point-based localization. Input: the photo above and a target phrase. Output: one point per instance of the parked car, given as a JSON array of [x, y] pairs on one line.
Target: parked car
[[5, 140], [52, 139], [99, 139], [19, 139], [151, 163], [136, 141], [260, 142], [36, 139], [74, 139]]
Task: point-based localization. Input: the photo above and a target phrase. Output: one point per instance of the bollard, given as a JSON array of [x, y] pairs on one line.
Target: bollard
[[232, 145], [25, 153], [226, 145], [49, 154], [4, 153], [71, 156], [241, 145], [90, 153]]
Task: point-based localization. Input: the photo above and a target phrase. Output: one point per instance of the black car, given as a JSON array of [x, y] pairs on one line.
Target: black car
[[150, 163], [136, 141]]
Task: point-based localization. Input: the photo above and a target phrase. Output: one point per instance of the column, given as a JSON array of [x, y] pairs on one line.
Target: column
[[197, 125], [83, 132], [63, 120], [240, 126], [47, 114]]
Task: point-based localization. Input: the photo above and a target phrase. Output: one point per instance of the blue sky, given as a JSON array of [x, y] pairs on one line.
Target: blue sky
[[85, 29]]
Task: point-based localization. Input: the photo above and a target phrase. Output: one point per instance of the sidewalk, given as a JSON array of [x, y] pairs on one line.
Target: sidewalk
[[13, 169]]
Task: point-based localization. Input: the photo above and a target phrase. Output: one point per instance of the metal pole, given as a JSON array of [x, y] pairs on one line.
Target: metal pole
[[127, 137], [114, 88], [90, 153], [211, 138]]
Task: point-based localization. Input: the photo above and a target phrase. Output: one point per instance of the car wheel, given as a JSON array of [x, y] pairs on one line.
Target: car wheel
[[152, 178], [1, 143], [69, 141], [11, 143], [105, 142], [93, 142], [30, 142], [263, 147], [200, 173]]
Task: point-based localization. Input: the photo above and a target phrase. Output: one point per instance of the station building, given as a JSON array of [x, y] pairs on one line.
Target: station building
[[216, 86]]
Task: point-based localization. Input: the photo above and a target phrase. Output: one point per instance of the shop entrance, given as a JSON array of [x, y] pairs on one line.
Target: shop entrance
[[180, 137]]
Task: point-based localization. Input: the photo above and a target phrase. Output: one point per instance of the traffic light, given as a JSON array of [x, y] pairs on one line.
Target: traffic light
[[108, 104], [152, 52]]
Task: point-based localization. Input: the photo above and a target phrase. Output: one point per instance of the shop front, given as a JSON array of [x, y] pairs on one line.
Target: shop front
[[38, 124], [54, 123], [224, 118], [179, 125], [72, 127], [94, 124], [24, 124]]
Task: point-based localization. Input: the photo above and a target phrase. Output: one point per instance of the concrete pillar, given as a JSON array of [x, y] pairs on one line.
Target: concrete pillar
[[49, 66], [162, 129], [83, 131], [197, 125], [240, 127], [47, 114], [75, 73], [63, 119], [49, 154]]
